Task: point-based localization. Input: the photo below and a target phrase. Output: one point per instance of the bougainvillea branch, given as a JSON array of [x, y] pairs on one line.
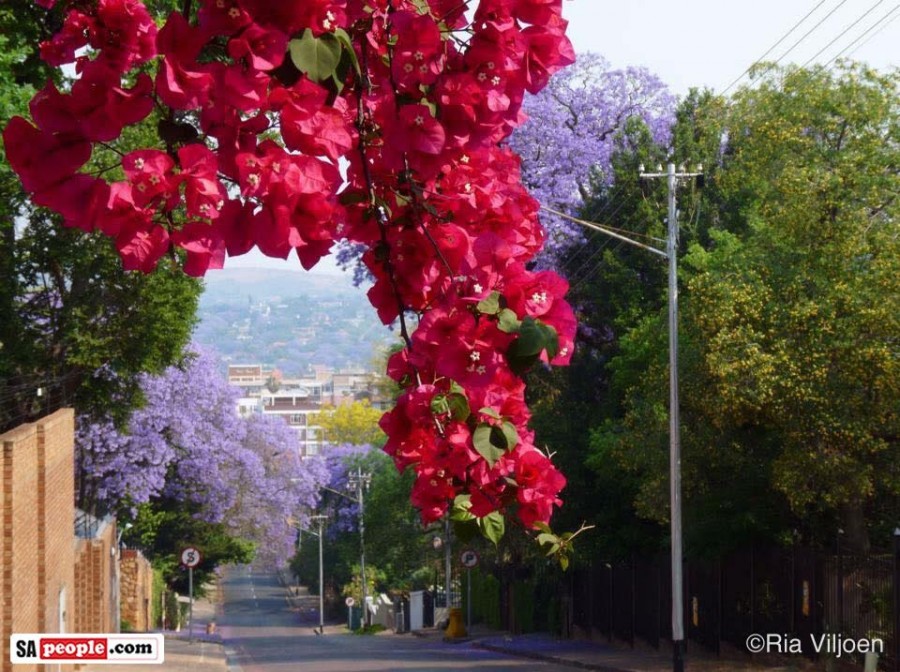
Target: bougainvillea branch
[[290, 125]]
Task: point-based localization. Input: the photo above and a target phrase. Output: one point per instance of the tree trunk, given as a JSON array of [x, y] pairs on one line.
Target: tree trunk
[[856, 534]]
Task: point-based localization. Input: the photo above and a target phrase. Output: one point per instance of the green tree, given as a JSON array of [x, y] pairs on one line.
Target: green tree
[[788, 359], [67, 309], [355, 423]]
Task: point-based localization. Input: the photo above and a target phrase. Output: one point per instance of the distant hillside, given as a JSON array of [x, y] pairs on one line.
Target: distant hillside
[[234, 284], [289, 320]]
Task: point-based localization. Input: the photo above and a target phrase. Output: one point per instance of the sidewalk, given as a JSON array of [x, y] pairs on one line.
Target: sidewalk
[[183, 652], [604, 657]]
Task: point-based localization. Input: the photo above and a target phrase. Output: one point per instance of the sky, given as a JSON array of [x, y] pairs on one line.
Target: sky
[[710, 43]]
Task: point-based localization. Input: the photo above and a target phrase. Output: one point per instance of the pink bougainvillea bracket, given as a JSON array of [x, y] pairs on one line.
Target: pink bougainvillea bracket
[[292, 124]]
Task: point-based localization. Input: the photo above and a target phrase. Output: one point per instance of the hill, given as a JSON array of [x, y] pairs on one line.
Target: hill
[[288, 319]]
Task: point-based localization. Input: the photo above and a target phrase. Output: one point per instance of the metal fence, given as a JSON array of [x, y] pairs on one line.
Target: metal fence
[[794, 592]]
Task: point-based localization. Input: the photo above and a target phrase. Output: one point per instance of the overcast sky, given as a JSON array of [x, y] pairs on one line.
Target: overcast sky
[[710, 43]]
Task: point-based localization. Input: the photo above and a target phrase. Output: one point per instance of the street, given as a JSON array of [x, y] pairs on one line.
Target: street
[[262, 633]]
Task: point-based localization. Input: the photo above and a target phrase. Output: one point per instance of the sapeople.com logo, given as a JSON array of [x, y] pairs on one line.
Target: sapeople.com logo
[[101, 648]]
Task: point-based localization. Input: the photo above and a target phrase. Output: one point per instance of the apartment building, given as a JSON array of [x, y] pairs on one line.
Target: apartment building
[[297, 400]]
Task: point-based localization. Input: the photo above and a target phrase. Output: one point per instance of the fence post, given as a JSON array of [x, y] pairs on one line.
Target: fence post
[[633, 597], [612, 602], [840, 583], [896, 651], [752, 588], [720, 601]]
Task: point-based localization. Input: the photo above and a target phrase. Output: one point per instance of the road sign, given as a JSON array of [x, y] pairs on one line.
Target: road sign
[[349, 601], [468, 558], [190, 557]]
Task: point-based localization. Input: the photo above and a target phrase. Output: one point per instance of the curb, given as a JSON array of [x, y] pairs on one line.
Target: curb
[[559, 660]]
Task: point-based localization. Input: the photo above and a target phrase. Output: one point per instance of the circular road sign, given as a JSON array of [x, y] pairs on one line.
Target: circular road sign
[[349, 601], [190, 557], [468, 558]]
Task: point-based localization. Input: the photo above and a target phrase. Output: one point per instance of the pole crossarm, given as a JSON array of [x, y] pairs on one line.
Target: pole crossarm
[[603, 229]]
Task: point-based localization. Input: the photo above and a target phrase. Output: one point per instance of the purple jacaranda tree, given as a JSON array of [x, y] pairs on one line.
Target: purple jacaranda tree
[[276, 490], [188, 444], [340, 460], [572, 132]]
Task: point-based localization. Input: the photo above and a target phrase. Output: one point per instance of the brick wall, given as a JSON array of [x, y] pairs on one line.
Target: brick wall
[[95, 568], [56, 578], [35, 529], [136, 590]]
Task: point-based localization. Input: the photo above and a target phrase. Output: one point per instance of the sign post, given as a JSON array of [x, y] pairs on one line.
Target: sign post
[[349, 602], [468, 559], [190, 558]]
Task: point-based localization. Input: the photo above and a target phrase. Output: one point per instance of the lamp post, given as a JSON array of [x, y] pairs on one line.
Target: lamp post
[[321, 520], [360, 481]]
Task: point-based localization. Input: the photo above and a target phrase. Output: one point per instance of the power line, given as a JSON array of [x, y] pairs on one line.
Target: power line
[[805, 35], [842, 33], [869, 30], [809, 32], [770, 49], [605, 229]]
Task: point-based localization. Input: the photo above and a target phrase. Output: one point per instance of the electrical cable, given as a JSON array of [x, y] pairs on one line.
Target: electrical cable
[[808, 33], [842, 33], [769, 50], [607, 230], [861, 36]]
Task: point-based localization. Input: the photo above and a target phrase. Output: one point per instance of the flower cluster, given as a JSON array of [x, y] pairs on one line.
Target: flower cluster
[[289, 125], [188, 444]]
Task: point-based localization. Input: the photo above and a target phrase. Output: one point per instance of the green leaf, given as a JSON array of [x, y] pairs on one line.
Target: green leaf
[[564, 562], [482, 439], [317, 57], [531, 338], [459, 407], [460, 511], [490, 305], [510, 434], [493, 526], [546, 538], [490, 412], [534, 338], [508, 322], [439, 405], [349, 52], [551, 339]]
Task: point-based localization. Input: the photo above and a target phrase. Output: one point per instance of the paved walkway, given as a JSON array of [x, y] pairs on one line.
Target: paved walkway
[[608, 658], [193, 651]]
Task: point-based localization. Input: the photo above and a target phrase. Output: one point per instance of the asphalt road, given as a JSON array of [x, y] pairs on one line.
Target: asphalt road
[[263, 633]]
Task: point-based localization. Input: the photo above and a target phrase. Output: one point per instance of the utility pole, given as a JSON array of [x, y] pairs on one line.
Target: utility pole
[[321, 520], [447, 564], [672, 178], [360, 481]]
